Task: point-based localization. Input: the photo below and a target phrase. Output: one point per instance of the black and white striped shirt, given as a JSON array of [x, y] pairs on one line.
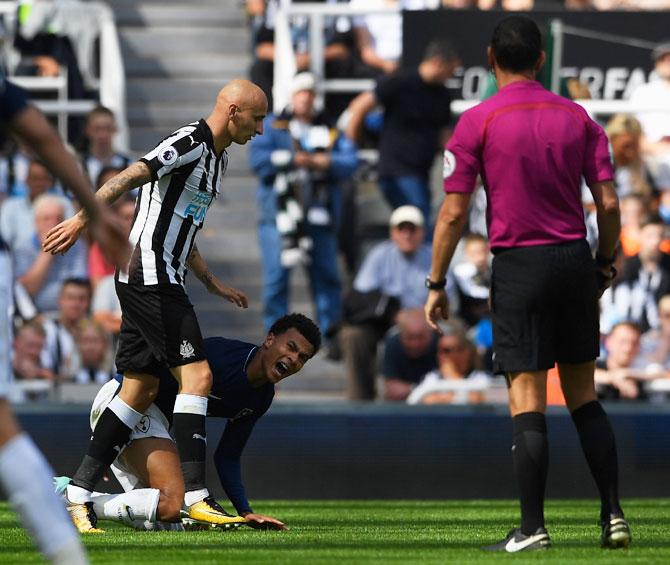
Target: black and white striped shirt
[[186, 177]]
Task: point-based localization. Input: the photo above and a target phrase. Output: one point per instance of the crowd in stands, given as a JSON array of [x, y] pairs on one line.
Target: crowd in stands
[[67, 315]]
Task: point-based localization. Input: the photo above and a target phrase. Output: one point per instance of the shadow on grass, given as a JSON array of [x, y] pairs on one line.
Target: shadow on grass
[[308, 545], [412, 522]]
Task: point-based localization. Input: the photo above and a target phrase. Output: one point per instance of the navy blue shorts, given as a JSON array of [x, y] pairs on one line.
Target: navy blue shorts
[[544, 302]]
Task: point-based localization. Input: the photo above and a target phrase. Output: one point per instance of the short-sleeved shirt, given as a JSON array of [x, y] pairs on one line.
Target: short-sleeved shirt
[[531, 148], [414, 114], [186, 175], [393, 273]]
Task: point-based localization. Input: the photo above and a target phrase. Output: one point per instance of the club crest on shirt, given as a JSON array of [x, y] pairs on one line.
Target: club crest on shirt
[[167, 156], [449, 165], [186, 350], [143, 425]]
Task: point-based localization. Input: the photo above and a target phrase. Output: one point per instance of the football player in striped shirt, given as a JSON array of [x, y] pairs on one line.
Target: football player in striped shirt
[[180, 178]]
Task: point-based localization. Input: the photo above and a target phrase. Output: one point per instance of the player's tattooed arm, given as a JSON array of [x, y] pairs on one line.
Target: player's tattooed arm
[[199, 266], [133, 176], [63, 236]]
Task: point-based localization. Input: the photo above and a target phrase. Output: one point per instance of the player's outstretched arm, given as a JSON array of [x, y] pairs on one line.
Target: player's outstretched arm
[[200, 269], [34, 129], [63, 236]]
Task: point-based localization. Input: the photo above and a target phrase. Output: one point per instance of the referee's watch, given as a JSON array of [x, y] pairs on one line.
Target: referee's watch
[[435, 285], [602, 261]]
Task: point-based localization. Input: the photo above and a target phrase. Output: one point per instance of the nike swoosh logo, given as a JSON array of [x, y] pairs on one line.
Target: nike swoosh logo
[[130, 513], [513, 545]]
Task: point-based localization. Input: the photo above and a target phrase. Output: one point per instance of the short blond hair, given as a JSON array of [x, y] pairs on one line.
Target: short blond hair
[[622, 124]]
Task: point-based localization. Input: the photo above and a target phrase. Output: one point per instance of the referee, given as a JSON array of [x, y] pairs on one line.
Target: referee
[[180, 178], [531, 149]]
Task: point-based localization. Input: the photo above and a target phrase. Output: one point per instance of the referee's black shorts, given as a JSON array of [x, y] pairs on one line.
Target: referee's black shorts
[[544, 302], [159, 329]]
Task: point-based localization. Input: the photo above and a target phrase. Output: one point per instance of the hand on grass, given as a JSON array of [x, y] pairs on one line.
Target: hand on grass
[[261, 522]]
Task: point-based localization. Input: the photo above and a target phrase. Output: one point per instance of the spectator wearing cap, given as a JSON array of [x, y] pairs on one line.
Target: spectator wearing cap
[[394, 268], [301, 161], [416, 115], [655, 95]]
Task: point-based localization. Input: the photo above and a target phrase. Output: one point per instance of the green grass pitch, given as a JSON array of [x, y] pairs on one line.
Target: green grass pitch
[[352, 532]]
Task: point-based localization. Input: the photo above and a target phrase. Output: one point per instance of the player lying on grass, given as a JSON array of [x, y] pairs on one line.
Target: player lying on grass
[[148, 467]]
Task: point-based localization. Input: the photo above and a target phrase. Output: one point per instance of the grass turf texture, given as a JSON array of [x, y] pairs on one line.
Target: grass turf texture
[[352, 532]]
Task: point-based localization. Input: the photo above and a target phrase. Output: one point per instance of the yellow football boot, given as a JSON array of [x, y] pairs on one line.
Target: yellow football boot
[[209, 512], [84, 518]]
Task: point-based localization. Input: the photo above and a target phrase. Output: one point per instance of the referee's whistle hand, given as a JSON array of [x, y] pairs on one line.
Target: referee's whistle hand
[[436, 308]]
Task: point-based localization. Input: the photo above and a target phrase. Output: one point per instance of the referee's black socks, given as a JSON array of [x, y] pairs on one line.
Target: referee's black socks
[[599, 446], [111, 433], [189, 427], [530, 454]]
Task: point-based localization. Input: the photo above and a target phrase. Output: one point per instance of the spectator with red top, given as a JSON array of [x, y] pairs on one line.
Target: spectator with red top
[[124, 209]]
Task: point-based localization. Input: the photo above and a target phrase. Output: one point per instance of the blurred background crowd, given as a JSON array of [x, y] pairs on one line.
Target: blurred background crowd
[[320, 158]]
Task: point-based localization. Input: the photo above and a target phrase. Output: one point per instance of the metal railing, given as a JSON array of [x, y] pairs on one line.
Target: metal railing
[[316, 13], [62, 106]]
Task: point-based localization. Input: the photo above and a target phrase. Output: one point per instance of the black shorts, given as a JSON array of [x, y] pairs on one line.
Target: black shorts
[[544, 302], [159, 329]]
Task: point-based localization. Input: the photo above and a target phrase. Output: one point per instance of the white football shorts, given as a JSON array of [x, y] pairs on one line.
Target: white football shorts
[[153, 424]]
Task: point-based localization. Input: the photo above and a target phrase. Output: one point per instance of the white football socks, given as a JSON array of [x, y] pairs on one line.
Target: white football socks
[[193, 496], [26, 478], [77, 495], [132, 508]]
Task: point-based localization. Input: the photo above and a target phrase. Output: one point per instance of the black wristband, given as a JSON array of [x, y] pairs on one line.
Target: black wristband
[[603, 261], [435, 285]]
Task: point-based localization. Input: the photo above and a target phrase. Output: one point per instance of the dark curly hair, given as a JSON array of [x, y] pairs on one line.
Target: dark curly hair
[[308, 329]]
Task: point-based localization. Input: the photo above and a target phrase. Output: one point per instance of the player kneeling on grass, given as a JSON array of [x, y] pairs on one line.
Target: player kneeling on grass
[[148, 467]]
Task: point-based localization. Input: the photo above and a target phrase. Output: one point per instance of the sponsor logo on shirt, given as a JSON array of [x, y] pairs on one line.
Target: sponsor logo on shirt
[[198, 206]]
